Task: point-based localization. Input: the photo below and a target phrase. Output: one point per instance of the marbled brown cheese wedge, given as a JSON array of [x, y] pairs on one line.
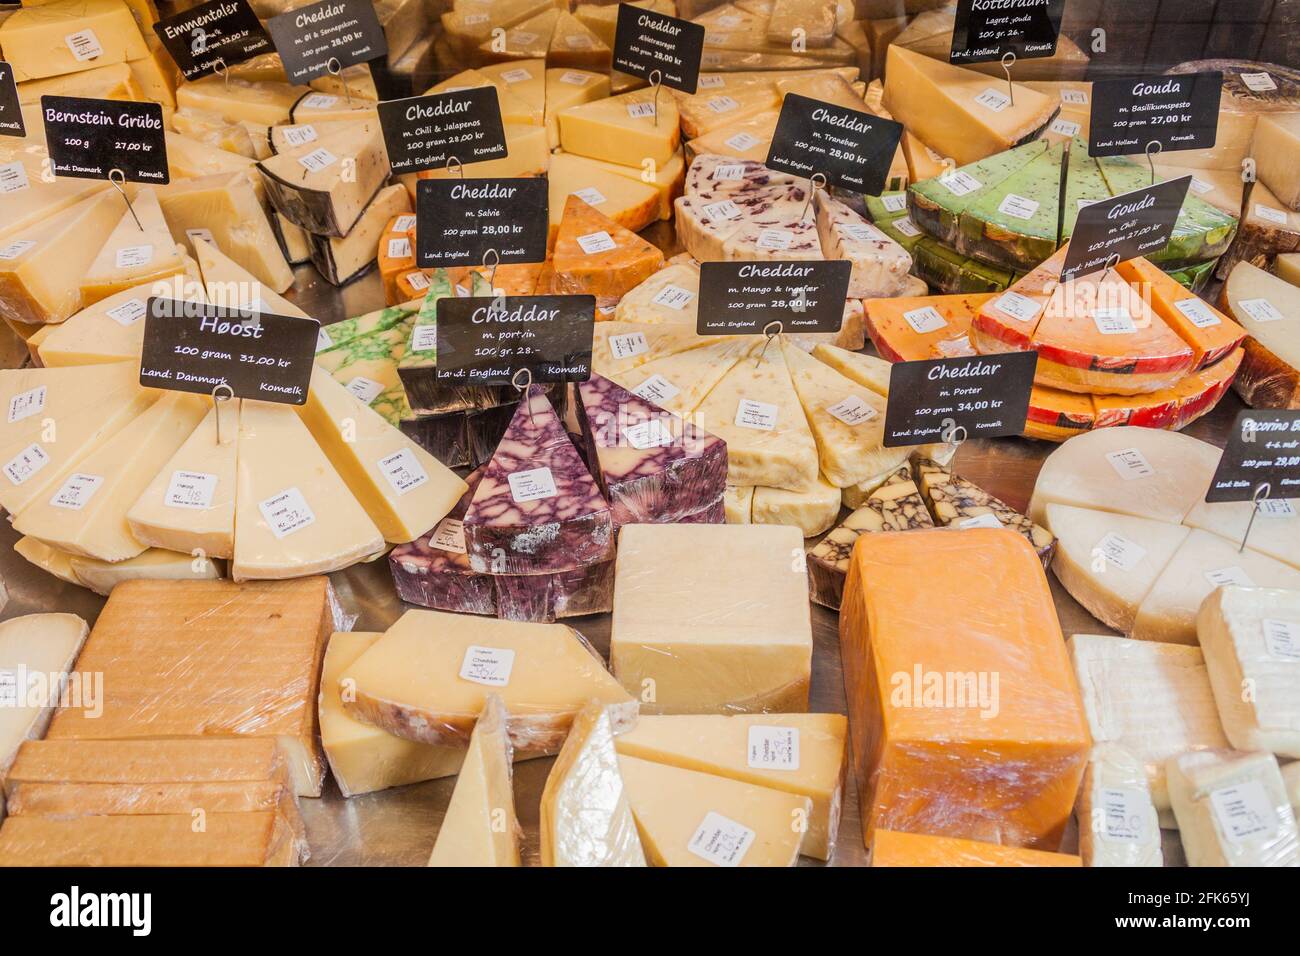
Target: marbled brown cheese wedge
[[958, 503]]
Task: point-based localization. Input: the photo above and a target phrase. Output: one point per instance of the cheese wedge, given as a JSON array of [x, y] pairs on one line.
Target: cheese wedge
[[189, 158], [1275, 531], [812, 511], [594, 255], [569, 87], [528, 155], [341, 260], [621, 346], [264, 102], [113, 82], [230, 285], [67, 36], [629, 202], [44, 645], [152, 564], [480, 828], [1233, 810], [573, 45], [30, 199], [891, 848], [880, 265], [669, 296], [516, 107], [748, 139], [864, 369], [1118, 823], [622, 129], [686, 818], [738, 504], [667, 178], [679, 383], [1268, 308], [325, 185], [139, 250], [51, 560]]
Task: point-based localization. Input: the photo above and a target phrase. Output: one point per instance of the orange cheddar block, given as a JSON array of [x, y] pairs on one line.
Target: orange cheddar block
[[408, 285], [966, 719], [594, 255], [921, 849], [1209, 332], [922, 327], [396, 253], [1148, 410]]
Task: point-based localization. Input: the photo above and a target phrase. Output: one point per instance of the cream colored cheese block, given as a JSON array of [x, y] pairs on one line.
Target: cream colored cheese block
[[427, 677], [284, 139], [667, 178], [470, 22], [340, 260], [294, 515], [362, 757], [687, 639], [1268, 308], [325, 185], [51, 560], [1277, 137], [573, 45], [294, 242], [1109, 562], [622, 129], [585, 817], [264, 102], [1152, 699], [1251, 641], [229, 285], [864, 369], [49, 423], [679, 383], [85, 513], [1222, 188], [1286, 266], [480, 827], [1118, 823], [755, 410], [527, 39], [517, 106], [1202, 563], [1233, 810], [154, 564], [68, 36], [189, 506], [37, 644], [31, 200], [1145, 472], [687, 818], [670, 296], [565, 87], [1275, 531], [139, 250], [738, 503], [156, 74], [812, 512], [802, 754], [113, 82], [191, 158], [404, 489]]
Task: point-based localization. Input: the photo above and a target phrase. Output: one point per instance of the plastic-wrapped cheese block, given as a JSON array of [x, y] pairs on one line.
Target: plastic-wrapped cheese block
[[668, 296], [1137, 471], [153, 564], [426, 678], [894, 848], [619, 346], [480, 827], [586, 819], [1275, 531], [594, 255], [1209, 332], [1269, 309], [712, 618], [880, 265], [892, 325], [362, 757], [956, 502], [651, 465], [1233, 810], [679, 383], [34, 644], [1118, 823], [1152, 699], [204, 643], [812, 512], [1202, 563], [738, 504], [797, 753], [998, 762], [312, 186], [1291, 777], [1251, 639], [1109, 562], [687, 818]]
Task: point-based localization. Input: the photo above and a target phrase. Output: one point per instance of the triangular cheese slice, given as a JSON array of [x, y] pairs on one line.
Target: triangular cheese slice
[[959, 503], [666, 178], [152, 564], [594, 255], [569, 87], [1275, 531], [1209, 332], [294, 515], [586, 818], [671, 295], [86, 512], [524, 79], [847, 420], [480, 828], [687, 818], [231, 286], [404, 489], [623, 129], [35, 644], [574, 46], [620, 346], [745, 139], [190, 504], [679, 383], [140, 250], [515, 108], [631, 204], [756, 411], [472, 21], [798, 753], [864, 369], [525, 40], [943, 322]]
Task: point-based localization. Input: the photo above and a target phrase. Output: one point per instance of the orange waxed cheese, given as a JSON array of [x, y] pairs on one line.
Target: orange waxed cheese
[[594, 255], [1057, 409], [965, 715], [904, 331], [1209, 332], [920, 849]]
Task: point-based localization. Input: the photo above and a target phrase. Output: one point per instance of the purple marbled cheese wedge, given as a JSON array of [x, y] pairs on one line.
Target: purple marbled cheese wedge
[[546, 597], [537, 509], [433, 570], [653, 467], [713, 513]]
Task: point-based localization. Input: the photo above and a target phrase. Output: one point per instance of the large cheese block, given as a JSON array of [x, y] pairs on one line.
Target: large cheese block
[[812, 511], [1233, 810], [738, 504], [667, 178], [34, 646], [1274, 532], [893, 848], [520, 89], [569, 87], [1269, 310], [629, 202], [575, 46], [934, 756], [325, 185], [1277, 136], [480, 827], [686, 639], [930, 33], [528, 155], [340, 260], [623, 129], [667, 297], [586, 819], [1211, 334], [30, 199], [1154, 700], [746, 139], [112, 82], [594, 255], [688, 818], [138, 251], [802, 754], [1118, 822], [153, 564], [864, 369], [427, 679], [161, 643], [68, 36]]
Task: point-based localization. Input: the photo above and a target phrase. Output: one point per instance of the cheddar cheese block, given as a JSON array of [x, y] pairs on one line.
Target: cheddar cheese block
[[1269, 310], [622, 129], [1210, 333], [140, 250], [678, 383], [629, 202], [594, 255]]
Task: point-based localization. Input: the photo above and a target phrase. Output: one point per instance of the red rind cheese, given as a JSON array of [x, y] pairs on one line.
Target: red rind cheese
[[1209, 332]]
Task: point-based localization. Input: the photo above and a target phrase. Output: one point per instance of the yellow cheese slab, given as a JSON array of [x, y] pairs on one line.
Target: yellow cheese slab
[[679, 383], [629, 202], [152, 564], [668, 178], [228, 284], [622, 129], [139, 250], [528, 155], [68, 36], [265, 102], [50, 560], [812, 511], [39, 643]]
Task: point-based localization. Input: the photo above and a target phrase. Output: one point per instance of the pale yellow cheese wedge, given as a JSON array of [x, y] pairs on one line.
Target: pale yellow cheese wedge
[[139, 250], [864, 369], [154, 564], [622, 129], [52, 560], [230, 285], [37, 644], [812, 511]]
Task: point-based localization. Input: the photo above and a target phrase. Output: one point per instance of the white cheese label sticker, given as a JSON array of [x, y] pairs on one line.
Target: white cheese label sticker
[[1018, 206], [722, 104], [403, 471], [730, 173], [1282, 639], [1259, 82], [1261, 310], [84, 45], [487, 665], [994, 100], [76, 492], [720, 211], [520, 75], [1197, 312], [1269, 214], [925, 319], [1130, 464], [1120, 551], [1075, 97], [1123, 819], [13, 177], [1276, 508], [591, 195], [721, 841], [674, 296], [399, 248], [775, 239], [1244, 812], [473, 19], [906, 226], [895, 203], [522, 38], [1019, 307], [760, 416], [424, 338], [417, 280], [628, 345], [852, 410], [571, 77], [320, 101], [986, 520], [532, 485], [317, 160], [26, 404], [1116, 321], [596, 242], [861, 231], [1220, 577], [773, 748], [323, 341], [133, 256], [742, 141], [26, 463], [15, 249], [577, 42], [365, 389], [8, 688], [1200, 186], [1064, 127], [404, 223], [712, 82], [300, 135], [959, 183], [190, 489], [640, 110], [648, 434], [449, 536], [287, 512], [656, 390]]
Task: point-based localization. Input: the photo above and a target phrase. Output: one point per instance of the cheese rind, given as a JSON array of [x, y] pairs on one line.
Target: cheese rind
[[324, 186], [1233, 810], [1269, 310]]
